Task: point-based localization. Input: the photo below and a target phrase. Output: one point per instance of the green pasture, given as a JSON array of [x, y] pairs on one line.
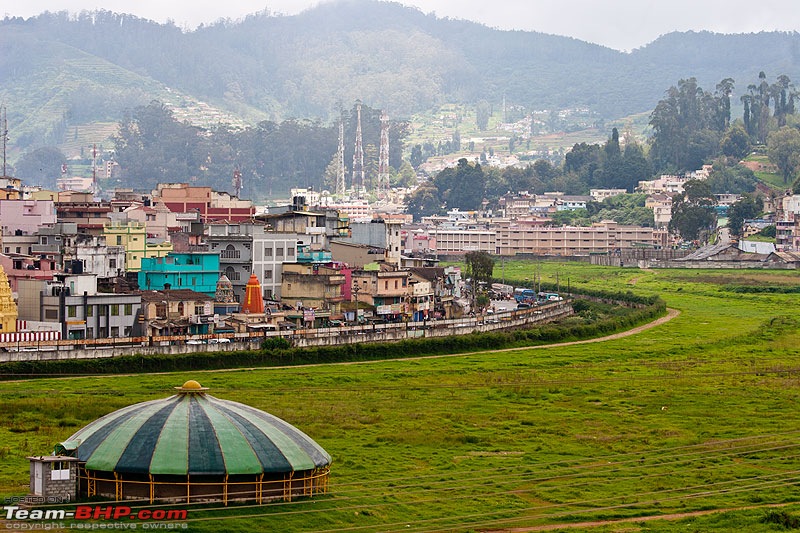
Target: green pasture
[[700, 413]]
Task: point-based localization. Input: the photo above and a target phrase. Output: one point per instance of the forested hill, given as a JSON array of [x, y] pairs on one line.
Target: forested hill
[[60, 69]]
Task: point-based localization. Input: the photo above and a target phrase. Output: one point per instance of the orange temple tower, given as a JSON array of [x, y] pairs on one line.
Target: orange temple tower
[[253, 301]]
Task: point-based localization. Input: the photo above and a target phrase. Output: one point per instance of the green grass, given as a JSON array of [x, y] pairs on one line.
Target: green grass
[[699, 413]]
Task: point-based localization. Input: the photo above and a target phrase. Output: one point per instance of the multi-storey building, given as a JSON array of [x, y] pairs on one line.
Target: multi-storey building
[[56, 243], [535, 237], [383, 287], [271, 253], [313, 286], [73, 301], [96, 257], [198, 272], [176, 312], [89, 216], [661, 205], [132, 236], [234, 244], [26, 216], [212, 205], [459, 239]]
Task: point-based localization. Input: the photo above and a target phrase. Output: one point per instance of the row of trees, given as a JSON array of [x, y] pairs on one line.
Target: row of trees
[[691, 126]]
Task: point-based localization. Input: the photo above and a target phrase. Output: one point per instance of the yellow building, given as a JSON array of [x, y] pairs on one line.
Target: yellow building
[[133, 237], [8, 309]]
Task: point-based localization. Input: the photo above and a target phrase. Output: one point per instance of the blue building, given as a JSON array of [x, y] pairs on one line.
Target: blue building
[[196, 271]]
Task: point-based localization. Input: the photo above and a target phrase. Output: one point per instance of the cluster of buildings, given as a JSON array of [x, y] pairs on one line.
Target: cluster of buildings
[[186, 260]]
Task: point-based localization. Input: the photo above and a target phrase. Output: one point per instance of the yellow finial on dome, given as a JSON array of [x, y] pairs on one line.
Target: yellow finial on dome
[[192, 386]]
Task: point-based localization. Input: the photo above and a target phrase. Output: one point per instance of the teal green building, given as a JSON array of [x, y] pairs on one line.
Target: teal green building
[[196, 271]]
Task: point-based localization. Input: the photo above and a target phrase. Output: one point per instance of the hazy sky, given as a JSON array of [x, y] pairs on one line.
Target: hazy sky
[[620, 24]]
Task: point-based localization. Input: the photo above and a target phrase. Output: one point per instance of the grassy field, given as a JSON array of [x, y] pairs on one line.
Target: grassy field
[[698, 414]]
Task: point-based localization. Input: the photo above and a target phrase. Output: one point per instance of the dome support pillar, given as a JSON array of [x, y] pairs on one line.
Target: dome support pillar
[[117, 487]]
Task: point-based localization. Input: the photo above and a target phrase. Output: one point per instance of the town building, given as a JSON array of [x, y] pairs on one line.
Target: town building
[[661, 205], [384, 288], [90, 216], [194, 271], [271, 252], [536, 237], [313, 286], [176, 312], [96, 257], [132, 236], [73, 301], [26, 216], [212, 205]]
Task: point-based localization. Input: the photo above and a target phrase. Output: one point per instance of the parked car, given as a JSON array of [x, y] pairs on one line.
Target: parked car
[[222, 340]]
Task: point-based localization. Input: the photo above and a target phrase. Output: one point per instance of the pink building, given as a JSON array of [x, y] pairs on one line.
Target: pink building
[[26, 216], [23, 267]]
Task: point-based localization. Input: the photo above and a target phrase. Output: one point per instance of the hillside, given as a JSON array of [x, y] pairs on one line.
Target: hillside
[[62, 70]]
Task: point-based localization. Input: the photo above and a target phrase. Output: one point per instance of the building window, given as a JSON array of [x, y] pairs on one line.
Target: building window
[[112, 263], [395, 284], [290, 252], [128, 309], [268, 251], [278, 252], [114, 309], [268, 274], [101, 310], [51, 314], [199, 310], [89, 311], [115, 331], [72, 311], [119, 240], [59, 471], [180, 308], [128, 331]]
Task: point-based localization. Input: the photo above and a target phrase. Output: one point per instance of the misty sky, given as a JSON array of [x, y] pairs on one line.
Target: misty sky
[[619, 24]]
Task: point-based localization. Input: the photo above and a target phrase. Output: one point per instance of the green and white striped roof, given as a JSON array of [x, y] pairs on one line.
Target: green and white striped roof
[[196, 434]]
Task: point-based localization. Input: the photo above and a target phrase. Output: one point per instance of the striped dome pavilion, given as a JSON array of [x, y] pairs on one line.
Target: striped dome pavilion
[[193, 446]]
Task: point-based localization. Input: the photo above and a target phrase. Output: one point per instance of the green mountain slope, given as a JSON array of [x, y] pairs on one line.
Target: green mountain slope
[[59, 70]]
